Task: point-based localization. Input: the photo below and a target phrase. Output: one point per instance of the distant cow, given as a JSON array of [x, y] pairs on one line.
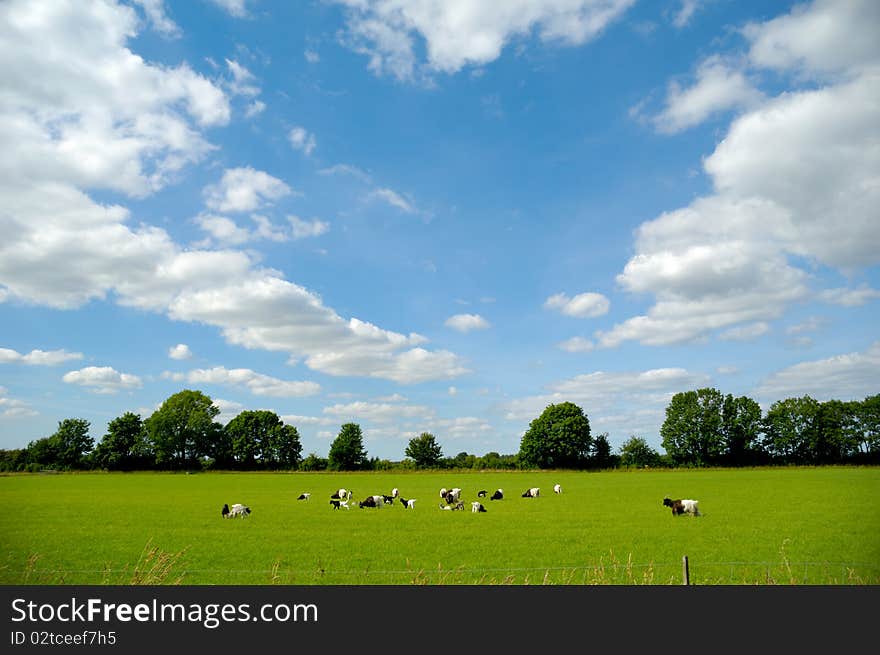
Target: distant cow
[[682, 506], [498, 495], [339, 503], [477, 506], [304, 496], [557, 488], [238, 510], [482, 493], [224, 512], [408, 504], [534, 492]]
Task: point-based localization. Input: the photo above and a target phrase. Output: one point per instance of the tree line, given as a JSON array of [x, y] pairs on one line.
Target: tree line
[[702, 427]]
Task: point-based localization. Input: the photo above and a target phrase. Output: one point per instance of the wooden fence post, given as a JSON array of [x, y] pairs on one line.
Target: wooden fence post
[[685, 574]]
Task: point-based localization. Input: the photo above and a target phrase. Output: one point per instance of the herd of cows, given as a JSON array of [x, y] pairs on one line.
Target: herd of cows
[[450, 501]]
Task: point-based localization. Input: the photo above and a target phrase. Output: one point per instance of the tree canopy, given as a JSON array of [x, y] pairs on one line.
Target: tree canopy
[[558, 438], [347, 450], [424, 450]]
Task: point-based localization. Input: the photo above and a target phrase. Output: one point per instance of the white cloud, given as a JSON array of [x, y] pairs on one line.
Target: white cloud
[[37, 357], [155, 12], [849, 297], [685, 12], [13, 407], [229, 409], [312, 57], [379, 412], [243, 83], [235, 8], [583, 305], [83, 114], [577, 345], [102, 379], [222, 229], [745, 332], [254, 109], [244, 189], [794, 185], [852, 376], [345, 169], [392, 198], [301, 139], [718, 87], [95, 114], [180, 351], [818, 37], [625, 402], [257, 383], [303, 229], [467, 322], [459, 33]]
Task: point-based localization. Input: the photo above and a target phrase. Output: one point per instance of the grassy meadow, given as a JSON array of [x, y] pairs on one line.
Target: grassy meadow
[[759, 526]]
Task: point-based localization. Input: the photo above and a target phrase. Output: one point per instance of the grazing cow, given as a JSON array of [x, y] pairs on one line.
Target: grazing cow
[[557, 488], [458, 506], [395, 492], [534, 492], [408, 504], [369, 501], [452, 496], [445, 507], [477, 506], [238, 510], [341, 494], [482, 493], [682, 506], [304, 496], [339, 503], [498, 495], [388, 500], [225, 511]]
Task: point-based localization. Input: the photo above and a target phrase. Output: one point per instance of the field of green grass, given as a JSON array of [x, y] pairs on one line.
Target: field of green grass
[[759, 526]]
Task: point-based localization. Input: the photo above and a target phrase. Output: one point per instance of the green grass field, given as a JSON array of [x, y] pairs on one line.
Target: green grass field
[[759, 526]]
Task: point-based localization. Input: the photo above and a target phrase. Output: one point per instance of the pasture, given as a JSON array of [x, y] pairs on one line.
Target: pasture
[[759, 526]]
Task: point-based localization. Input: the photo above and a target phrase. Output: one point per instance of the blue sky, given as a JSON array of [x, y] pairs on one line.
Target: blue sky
[[435, 215]]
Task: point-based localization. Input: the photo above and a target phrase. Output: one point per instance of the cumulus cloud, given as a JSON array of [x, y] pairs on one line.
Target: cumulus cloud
[[243, 82], [244, 189], [379, 412], [718, 87], [583, 305], [235, 8], [303, 229], [257, 383], [14, 407], [851, 376], [180, 351], [89, 114], [459, 33], [577, 345], [849, 297], [155, 12], [685, 12], [37, 357], [102, 379], [795, 175], [301, 139], [745, 332], [628, 401], [467, 322]]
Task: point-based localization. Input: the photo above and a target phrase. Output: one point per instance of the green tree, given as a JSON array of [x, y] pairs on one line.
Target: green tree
[[636, 452], [600, 453], [347, 450], [558, 438], [313, 462], [259, 438], [691, 433], [42, 452], [424, 450], [72, 442], [867, 429], [741, 430], [183, 430], [789, 429], [124, 447]]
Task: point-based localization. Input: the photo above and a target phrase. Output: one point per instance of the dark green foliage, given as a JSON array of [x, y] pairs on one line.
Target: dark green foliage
[[259, 439], [313, 463], [691, 432], [558, 438], [635, 452], [424, 450], [124, 447], [347, 450], [182, 430]]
